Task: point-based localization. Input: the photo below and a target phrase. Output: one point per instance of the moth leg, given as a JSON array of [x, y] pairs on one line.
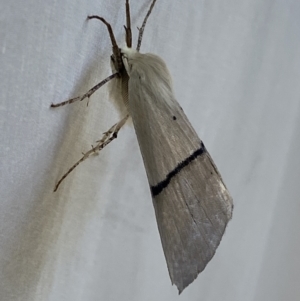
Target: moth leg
[[87, 94], [141, 30], [128, 34], [115, 47], [107, 138]]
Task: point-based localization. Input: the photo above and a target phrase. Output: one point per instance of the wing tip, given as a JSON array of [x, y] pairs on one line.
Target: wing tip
[[183, 284]]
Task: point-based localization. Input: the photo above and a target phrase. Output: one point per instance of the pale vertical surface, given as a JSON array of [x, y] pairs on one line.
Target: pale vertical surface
[[236, 71]]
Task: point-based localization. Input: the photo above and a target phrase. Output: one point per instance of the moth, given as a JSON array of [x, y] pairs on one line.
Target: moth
[[191, 202]]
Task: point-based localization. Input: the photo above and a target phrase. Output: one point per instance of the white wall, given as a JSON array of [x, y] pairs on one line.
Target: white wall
[[236, 70]]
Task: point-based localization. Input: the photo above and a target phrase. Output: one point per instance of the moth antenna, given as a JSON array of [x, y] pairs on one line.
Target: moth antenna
[[87, 94], [141, 30], [107, 138]]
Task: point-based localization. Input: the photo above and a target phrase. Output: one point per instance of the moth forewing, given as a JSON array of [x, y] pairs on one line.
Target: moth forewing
[[192, 204]]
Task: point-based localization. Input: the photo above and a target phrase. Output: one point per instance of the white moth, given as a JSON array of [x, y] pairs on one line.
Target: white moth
[[191, 201]]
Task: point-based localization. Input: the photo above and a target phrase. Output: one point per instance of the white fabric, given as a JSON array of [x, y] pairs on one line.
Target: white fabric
[[236, 71]]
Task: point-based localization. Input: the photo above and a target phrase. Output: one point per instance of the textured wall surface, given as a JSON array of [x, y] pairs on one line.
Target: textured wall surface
[[236, 71]]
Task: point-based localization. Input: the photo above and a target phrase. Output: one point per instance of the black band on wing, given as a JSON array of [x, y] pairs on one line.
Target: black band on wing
[[158, 188]]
